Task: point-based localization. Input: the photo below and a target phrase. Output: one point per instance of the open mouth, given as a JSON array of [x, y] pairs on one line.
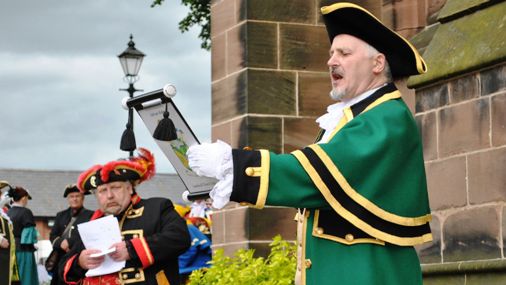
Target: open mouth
[[336, 75]]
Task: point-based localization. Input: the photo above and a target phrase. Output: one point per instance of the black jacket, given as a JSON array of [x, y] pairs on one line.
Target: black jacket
[[60, 224], [62, 220], [21, 218], [155, 235]]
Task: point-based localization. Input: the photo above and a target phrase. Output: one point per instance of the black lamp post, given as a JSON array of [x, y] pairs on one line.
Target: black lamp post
[[131, 60]]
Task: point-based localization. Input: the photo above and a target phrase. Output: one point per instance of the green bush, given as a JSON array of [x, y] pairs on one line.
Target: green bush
[[245, 269]]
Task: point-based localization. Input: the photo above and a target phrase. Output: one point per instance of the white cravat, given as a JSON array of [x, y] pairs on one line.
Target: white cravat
[[329, 121]]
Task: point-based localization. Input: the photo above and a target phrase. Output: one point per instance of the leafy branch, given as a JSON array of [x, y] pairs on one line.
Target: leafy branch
[[200, 15]]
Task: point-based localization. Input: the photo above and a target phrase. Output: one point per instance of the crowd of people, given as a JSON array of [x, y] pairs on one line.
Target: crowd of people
[[162, 242]]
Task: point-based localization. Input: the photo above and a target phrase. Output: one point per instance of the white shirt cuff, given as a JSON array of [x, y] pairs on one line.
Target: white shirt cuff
[[223, 189]]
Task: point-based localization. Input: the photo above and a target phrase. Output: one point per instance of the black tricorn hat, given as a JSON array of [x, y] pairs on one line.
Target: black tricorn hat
[[71, 188], [351, 19]]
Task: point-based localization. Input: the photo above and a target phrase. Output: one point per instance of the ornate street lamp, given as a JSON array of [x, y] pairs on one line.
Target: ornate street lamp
[[131, 61]]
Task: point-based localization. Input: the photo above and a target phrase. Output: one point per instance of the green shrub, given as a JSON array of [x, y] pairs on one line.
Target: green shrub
[[245, 269]]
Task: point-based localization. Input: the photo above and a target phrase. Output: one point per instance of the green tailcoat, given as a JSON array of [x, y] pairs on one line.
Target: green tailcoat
[[363, 195]]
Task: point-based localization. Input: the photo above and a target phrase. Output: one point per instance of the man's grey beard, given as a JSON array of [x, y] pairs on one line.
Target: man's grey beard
[[337, 95]]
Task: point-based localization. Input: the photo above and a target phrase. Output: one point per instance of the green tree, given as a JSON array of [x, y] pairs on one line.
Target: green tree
[[200, 14]]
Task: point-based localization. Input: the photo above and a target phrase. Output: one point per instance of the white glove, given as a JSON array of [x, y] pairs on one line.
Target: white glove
[[207, 159]]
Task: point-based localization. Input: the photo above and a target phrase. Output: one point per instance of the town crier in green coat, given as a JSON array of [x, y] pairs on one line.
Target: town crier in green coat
[[361, 188]]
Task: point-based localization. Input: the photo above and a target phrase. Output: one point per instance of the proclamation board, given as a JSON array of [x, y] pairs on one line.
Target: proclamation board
[[150, 107]]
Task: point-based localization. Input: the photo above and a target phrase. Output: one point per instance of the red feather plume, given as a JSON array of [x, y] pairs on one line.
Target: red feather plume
[[113, 165], [147, 160]]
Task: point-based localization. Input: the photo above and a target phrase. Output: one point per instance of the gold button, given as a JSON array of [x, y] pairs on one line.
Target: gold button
[[319, 231], [125, 276], [137, 276], [308, 263], [349, 237], [249, 171]]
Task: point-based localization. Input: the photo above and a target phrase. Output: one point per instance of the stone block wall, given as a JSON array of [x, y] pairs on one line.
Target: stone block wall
[[269, 83], [463, 125], [460, 108]]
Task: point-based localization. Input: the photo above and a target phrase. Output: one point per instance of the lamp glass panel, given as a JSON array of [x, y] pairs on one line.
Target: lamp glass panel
[[131, 65]]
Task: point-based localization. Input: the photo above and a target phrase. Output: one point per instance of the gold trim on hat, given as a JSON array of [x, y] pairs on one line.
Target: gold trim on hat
[[421, 66]]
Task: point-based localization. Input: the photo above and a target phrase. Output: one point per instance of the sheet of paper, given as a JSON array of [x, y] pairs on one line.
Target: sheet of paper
[[101, 234], [103, 252]]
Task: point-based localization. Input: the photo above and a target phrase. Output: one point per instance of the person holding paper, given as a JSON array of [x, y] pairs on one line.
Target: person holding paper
[[153, 233], [65, 226], [360, 189]]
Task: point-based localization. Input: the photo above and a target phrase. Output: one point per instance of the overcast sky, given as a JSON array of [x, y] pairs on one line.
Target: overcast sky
[[60, 75]]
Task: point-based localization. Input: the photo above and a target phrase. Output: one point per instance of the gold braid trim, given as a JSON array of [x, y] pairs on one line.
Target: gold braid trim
[[322, 187]]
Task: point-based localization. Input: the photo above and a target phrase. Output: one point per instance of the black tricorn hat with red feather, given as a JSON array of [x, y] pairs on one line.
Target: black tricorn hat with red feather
[[136, 169]]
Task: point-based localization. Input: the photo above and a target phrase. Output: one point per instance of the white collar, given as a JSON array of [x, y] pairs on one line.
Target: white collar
[[329, 121]]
